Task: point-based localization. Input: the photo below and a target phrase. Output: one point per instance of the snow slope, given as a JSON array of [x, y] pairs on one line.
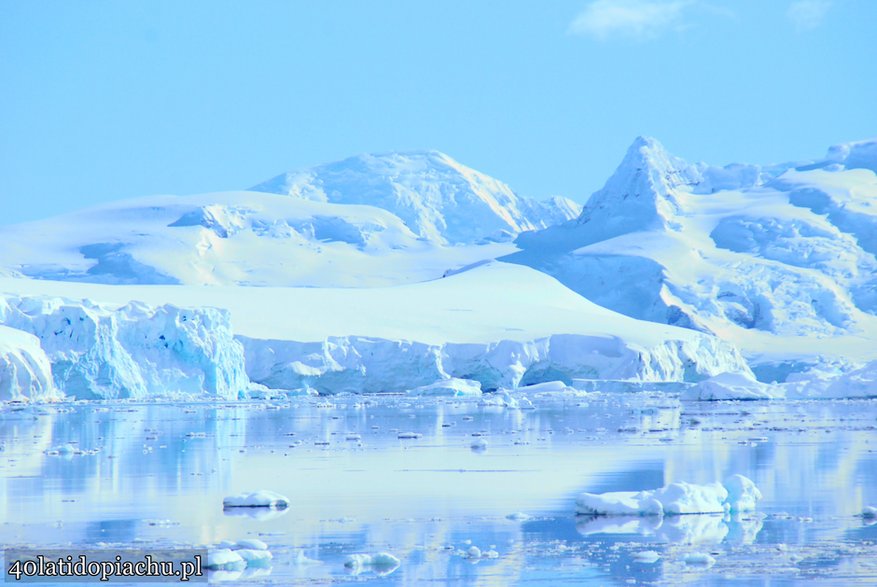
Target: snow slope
[[230, 238], [436, 197], [778, 260], [500, 324]]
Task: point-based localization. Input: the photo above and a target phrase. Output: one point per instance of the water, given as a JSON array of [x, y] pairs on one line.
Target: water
[[160, 472]]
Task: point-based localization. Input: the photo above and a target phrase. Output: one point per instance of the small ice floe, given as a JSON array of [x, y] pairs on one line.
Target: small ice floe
[[225, 559], [255, 557], [382, 563], [548, 387], [518, 517], [478, 445], [869, 513], [67, 450], [473, 552], [408, 435], [699, 558], [732, 386], [251, 544], [741, 494], [646, 557], [505, 399], [256, 499], [452, 387]]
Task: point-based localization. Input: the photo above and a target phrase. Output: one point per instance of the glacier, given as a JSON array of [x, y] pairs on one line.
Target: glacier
[[412, 272], [501, 325], [133, 351], [25, 370]]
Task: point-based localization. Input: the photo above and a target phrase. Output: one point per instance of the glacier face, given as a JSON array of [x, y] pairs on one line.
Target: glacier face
[[25, 370], [775, 259], [369, 365], [436, 197], [134, 351]]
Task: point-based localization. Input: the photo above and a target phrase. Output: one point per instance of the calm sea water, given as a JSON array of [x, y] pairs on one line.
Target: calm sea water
[[161, 470]]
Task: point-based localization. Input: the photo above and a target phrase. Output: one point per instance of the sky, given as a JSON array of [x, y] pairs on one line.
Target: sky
[[103, 100]]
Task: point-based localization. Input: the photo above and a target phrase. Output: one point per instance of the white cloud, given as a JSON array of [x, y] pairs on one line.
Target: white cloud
[[640, 19], [808, 14]]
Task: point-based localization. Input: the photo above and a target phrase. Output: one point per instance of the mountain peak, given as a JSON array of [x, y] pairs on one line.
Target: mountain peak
[[437, 197], [641, 193]]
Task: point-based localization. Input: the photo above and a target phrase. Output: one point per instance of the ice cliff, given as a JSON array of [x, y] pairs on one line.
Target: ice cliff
[[134, 351]]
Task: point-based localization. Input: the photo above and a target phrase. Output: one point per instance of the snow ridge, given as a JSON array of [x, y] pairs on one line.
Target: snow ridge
[[436, 197]]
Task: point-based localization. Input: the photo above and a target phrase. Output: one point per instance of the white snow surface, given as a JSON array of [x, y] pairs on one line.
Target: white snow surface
[[778, 260], [133, 351], [25, 370], [231, 238], [436, 197], [737, 494]]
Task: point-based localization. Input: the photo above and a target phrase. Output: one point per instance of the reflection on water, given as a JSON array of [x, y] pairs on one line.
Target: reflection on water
[[155, 474]]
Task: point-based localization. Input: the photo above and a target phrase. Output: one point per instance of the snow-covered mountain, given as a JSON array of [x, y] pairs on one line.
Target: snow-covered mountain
[[749, 253], [380, 273], [436, 197], [363, 222]]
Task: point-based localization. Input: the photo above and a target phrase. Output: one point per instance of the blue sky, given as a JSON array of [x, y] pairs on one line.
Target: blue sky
[[103, 100]]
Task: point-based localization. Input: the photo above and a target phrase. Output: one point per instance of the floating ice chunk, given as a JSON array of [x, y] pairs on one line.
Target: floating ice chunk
[[408, 435], [688, 498], [251, 543], [225, 559], [256, 499], [491, 553], [454, 387], [619, 503], [699, 558], [674, 499], [732, 386], [743, 495], [382, 563], [518, 517], [547, 387], [478, 445], [646, 557], [869, 513], [255, 557], [64, 450], [473, 552]]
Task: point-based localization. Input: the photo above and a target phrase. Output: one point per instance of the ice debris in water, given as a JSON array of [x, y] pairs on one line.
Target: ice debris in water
[[236, 556], [256, 499], [225, 559], [454, 387], [478, 445], [699, 558], [737, 494], [869, 513], [646, 557], [382, 563]]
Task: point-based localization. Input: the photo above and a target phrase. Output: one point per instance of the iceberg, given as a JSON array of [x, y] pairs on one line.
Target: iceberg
[[737, 494]]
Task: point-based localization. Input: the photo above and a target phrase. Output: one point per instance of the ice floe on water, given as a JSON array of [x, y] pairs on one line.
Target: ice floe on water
[[453, 387], [382, 563], [738, 494], [256, 499]]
